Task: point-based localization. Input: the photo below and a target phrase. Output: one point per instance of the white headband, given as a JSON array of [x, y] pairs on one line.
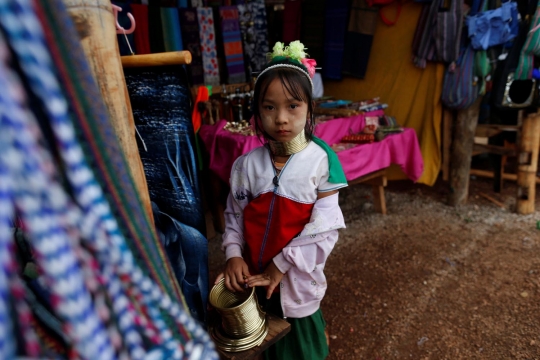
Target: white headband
[[285, 65]]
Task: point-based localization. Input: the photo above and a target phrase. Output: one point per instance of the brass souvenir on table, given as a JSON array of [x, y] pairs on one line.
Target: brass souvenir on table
[[243, 324]]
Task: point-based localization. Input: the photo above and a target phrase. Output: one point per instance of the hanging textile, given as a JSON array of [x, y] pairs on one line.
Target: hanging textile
[[292, 20], [170, 22], [190, 37], [334, 39], [312, 34], [232, 44], [258, 10], [247, 30], [81, 250], [155, 24], [161, 106], [141, 34], [359, 37], [208, 45], [94, 129], [253, 26]]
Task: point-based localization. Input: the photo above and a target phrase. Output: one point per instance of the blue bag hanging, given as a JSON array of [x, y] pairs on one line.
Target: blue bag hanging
[[493, 27]]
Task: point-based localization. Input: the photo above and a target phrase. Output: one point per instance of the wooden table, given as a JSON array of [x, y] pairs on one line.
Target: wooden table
[[277, 329]]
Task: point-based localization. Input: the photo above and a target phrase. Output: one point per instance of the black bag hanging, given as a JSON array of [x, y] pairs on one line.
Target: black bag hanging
[[507, 92]]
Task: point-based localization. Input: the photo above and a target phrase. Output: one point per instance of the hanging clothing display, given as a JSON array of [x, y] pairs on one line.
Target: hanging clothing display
[[190, 37], [208, 45], [253, 26], [141, 35], [312, 29], [170, 22], [160, 99], [65, 186], [232, 44], [359, 37], [335, 25]]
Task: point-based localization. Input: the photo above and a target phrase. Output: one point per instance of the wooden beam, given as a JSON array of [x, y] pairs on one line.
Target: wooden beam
[[493, 149], [159, 59], [463, 142], [489, 174]]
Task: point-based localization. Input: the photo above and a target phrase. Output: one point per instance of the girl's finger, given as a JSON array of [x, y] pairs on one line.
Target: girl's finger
[[270, 291], [261, 282], [218, 278]]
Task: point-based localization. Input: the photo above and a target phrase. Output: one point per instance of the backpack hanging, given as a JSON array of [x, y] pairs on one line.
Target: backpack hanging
[[460, 89]]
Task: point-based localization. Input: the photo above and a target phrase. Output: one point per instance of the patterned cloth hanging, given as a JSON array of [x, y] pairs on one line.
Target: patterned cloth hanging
[[190, 37], [232, 44], [208, 45], [81, 251]]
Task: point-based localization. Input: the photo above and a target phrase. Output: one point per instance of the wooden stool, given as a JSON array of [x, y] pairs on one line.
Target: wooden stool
[[378, 181], [277, 329]]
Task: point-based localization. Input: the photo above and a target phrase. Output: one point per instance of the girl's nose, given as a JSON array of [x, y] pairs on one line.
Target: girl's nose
[[281, 118]]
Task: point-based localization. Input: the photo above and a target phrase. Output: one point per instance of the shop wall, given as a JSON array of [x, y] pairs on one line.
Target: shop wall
[[412, 94]]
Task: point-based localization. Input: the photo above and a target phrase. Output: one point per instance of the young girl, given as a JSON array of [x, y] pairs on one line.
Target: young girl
[[282, 212]]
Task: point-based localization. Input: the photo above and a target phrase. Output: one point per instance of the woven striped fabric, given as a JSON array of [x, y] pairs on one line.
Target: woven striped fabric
[[102, 150], [60, 221], [232, 43]]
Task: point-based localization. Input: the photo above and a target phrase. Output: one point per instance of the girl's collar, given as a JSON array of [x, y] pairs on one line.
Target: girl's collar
[[299, 143]]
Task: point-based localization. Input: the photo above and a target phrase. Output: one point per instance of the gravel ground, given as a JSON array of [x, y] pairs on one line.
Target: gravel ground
[[430, 281]]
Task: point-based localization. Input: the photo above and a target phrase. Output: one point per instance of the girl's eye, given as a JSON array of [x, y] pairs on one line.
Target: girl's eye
[[268, 107], [293, 106]]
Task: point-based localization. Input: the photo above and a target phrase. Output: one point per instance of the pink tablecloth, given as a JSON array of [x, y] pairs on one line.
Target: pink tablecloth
[[400, 149]]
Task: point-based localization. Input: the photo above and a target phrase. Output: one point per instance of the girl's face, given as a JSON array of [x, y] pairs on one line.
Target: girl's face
[[282, 116]]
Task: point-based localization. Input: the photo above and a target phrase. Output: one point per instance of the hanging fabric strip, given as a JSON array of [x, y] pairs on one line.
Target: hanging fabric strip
[[95, 130], [292, 20], [208, 45], [88, 218], [334, 39], [258, 11], [312, 33], [359, 38], [170, 23], [141, 37], [190, 37], [232, 44], [247, 30]]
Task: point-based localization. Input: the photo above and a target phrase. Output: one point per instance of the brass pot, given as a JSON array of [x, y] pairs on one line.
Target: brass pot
[[243, 323]]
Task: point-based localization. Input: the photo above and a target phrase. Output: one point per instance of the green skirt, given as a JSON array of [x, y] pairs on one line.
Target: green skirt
[[305, 341]]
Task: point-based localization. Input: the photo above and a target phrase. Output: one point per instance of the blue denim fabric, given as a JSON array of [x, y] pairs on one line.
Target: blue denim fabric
[[161, 105], [187, 250], [493, 27]]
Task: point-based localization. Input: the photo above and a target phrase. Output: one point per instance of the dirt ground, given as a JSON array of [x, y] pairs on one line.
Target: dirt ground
[[430, 281]]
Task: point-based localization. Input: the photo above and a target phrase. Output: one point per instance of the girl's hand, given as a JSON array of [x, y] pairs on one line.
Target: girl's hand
[[236, 273], [271, 278]]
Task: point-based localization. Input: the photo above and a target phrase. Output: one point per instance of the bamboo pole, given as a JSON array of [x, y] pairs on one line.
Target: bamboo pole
[[95, 24], [528, 164], [159, 59]]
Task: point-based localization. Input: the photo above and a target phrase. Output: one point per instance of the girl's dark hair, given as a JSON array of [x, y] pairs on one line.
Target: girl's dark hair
[[295, 82]]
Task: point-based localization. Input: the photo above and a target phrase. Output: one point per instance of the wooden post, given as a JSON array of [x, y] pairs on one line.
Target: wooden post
[[447, 119], [96, 26], [462, 146], [528, 164]]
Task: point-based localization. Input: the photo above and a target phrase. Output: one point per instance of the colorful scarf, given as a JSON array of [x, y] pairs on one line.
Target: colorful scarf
[[232, 44], [208, 45]]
